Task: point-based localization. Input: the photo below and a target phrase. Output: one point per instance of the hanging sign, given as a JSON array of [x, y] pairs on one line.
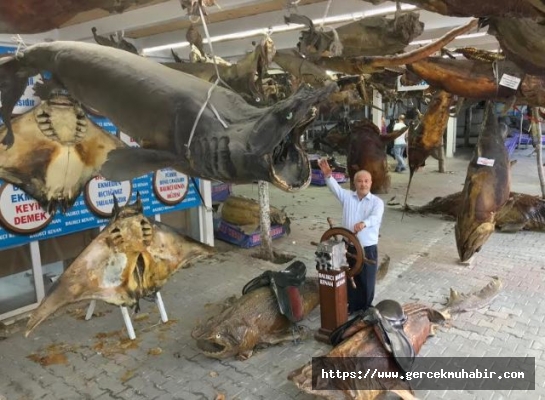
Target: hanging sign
[[100, 194], [20, 212], [422, 85], [170, 186]]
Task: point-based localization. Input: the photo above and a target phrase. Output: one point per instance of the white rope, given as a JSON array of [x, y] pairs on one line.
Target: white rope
[[326, 13], [20, 44], [209, 94]]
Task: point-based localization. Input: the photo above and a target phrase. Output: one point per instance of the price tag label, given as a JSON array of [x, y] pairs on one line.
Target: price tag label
[[510, 81], [489, 162]]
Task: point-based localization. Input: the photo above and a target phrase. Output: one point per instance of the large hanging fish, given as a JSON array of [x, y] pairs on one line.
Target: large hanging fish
[[486, 188], [181, 121], [132, 258], [57, 151]]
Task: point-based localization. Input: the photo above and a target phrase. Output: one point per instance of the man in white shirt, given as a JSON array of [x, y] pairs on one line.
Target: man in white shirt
[[400, 144], [362, 214]]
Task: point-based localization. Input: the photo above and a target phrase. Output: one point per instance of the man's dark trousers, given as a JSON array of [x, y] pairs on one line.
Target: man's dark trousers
[[362, 297]]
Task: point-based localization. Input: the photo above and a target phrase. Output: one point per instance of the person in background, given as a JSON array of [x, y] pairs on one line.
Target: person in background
[[400, 144], [362, 214]]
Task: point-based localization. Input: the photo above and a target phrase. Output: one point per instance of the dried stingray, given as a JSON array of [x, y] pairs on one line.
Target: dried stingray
[[57, 151]]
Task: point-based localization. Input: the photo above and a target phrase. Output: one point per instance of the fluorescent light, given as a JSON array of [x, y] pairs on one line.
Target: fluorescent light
[[468, 36], [284, 28]]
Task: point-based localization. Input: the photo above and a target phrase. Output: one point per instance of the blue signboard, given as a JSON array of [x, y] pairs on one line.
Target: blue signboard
[[22, 220]]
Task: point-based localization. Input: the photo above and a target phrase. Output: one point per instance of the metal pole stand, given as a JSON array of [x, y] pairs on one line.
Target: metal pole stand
[[126, 316]]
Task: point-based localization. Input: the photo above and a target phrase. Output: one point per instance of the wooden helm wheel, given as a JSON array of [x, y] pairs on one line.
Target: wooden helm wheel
[[350, 238]]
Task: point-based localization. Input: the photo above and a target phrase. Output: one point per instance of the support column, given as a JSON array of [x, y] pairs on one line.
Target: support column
[[451, 137], [377, 114]]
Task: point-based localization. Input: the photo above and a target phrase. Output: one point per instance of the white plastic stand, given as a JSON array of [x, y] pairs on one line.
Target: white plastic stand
[[127, 317]]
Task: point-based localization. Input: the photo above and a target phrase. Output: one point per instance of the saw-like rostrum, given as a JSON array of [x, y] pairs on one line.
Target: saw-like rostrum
[[361, 349], [475, 79], [522, 40], [57, 151], [180, 121], [35, 16], [486, 188], [132, 258]]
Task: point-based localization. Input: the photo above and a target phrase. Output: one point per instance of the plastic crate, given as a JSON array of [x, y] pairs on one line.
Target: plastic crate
[[233, 234]]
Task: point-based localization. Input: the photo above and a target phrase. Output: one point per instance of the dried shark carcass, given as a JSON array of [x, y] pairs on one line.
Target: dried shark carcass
[[244, 77], [484, 8], [520, 212], [486, 189], [181, 120], [132, 258], [370, 36], [371, 64], [475, 79], [31, 16], [57, 151], [521, 39], [121, 43], [361, 349]]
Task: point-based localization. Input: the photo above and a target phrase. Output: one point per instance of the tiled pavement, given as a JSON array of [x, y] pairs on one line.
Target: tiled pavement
[[97, 362]]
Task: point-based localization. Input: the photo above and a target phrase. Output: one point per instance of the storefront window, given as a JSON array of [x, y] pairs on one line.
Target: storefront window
[[17, 287]]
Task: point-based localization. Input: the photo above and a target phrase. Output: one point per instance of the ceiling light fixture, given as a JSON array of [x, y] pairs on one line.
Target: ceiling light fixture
[[468, 36], [284, 28]]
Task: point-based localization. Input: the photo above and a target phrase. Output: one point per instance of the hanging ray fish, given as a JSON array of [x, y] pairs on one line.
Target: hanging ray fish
[[57, 151], [132, 258], [486, 188], [229, 141]]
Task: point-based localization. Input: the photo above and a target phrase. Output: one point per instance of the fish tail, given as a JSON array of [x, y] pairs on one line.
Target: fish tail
[[13, 82], [58, 297]]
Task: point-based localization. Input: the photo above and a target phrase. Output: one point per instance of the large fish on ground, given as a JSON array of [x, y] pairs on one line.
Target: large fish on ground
[[132, 258], [361, 343], [366, 150], [251, 320], [169, 113], [57, 151], [486, 188], [520, 212]]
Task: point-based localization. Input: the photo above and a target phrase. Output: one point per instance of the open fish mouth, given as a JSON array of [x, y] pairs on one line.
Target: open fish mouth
[[212, 349], [290, 166]]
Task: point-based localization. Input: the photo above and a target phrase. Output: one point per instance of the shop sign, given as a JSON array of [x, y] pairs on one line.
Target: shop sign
[[170, 186], [100, 194], [20, 212]]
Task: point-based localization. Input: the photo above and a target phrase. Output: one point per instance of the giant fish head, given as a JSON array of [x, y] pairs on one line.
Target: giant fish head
[[280, 128], [131, 258], [227, 339]]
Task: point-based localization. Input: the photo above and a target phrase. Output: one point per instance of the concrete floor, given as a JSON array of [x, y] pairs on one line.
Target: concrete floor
[[164, 362]]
